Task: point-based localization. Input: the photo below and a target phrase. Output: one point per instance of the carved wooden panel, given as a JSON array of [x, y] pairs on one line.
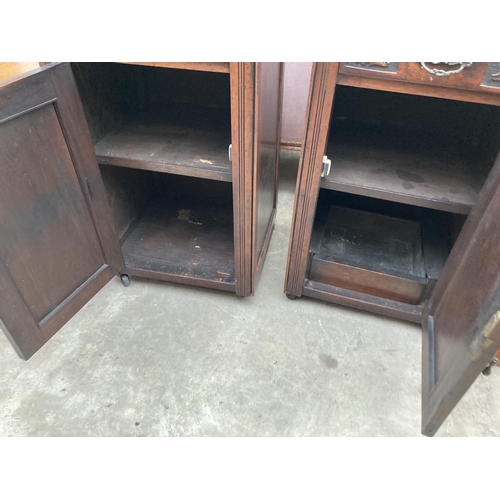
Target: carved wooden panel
[[492, 76], [473, 82], [386, 67]]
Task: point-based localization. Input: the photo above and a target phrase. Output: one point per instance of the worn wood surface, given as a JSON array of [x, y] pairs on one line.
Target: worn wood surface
[[185, 140], [408, 166], [344, 273], [456, 344], [372, 254], [58, 245], [184, 236], [362, 301], [217, 67]]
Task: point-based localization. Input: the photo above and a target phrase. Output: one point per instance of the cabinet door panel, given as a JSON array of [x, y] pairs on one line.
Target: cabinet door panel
[[268, 94], [461, 327], [54, 257]]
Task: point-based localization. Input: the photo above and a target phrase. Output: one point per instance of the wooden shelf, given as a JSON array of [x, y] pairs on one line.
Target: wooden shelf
[[183, 140], [396, 164], [185, 241]]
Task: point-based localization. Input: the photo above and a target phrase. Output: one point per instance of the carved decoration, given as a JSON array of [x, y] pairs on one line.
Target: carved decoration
[[381, 64], [387, 67], [444, 72], [492, 75]]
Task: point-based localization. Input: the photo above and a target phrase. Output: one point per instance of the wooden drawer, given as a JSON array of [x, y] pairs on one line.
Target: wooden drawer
[[376, 255], [482, 76]]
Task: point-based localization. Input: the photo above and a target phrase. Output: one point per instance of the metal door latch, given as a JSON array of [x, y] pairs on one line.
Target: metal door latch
[[325, 169], [487, 370], [230, 152]]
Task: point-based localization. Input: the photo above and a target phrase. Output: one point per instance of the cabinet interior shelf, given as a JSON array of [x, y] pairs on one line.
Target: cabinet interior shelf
[[415, 167], [184, 140], [183, 240]]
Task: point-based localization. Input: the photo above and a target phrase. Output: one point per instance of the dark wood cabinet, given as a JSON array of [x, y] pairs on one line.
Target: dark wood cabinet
[[397, 209], [161, 170]]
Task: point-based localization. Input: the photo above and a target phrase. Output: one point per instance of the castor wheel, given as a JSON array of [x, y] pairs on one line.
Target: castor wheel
[[290, 296], [487, 370], [125, 279]]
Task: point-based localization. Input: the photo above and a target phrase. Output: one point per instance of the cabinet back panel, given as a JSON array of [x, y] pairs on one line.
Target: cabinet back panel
[[112, 93], [166, 85], [47, 240], [128, 191], [107, 95], [472, 126]]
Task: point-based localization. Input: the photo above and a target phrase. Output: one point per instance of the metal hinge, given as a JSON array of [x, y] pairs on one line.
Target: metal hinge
[[230, 152], [325, 169], [488, 340]]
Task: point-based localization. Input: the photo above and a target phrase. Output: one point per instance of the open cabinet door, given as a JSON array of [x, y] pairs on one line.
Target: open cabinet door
[[58, 244], [268, 104], [461, 327], [256, 99]]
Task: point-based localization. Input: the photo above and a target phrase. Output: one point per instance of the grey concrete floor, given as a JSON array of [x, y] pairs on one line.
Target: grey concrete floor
[[160, 359]]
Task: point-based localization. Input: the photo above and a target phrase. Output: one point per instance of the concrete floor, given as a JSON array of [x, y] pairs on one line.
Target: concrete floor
[[160, 359]]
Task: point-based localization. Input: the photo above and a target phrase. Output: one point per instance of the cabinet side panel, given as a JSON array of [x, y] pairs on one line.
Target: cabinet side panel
[[242, 76], [319, 108], [296, 79]]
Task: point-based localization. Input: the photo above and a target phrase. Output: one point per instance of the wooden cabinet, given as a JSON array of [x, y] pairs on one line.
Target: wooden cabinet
[[397, 209], [161, 170]]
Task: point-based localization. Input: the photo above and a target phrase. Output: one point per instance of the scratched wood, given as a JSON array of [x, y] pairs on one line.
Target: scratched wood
[[185, 235], [189, 140]]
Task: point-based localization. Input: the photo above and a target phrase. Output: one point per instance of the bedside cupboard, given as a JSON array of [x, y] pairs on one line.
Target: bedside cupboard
[[397, 209]]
